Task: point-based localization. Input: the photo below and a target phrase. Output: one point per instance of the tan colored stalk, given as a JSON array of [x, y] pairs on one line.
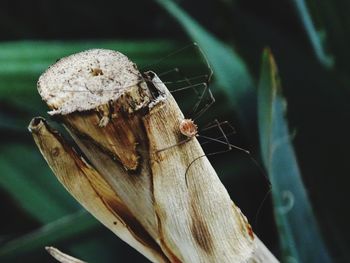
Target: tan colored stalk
[[120, 120], [62, 257]]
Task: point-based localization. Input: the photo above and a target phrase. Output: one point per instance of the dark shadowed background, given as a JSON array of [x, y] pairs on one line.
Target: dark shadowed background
[[309, 40]]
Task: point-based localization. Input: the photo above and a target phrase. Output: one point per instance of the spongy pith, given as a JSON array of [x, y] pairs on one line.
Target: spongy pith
[[85, 80]]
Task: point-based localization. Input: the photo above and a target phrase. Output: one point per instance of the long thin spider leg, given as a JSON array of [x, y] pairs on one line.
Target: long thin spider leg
[[203, 55], [193, 161], [211, 72], [195, 107], [261, 206], [185, 79], [261, 170], [188, 80], [170, 55], [168, 72], [218, 152], [188, 87], [207, 76], [217, 138], [194, 87], [227, 150], [223, 133], [215, 125], [207, 106], [189, 138], [194, 44], [206, 89], [174, 145], [226, 142]]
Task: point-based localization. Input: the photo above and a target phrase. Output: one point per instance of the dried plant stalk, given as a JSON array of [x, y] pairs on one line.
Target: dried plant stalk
[[120, 120], [62, 257]]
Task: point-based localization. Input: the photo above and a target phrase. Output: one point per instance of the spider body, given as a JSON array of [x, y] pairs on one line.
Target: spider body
[[188, 128]]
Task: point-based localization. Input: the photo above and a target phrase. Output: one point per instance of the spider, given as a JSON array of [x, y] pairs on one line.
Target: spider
[[188, 128]]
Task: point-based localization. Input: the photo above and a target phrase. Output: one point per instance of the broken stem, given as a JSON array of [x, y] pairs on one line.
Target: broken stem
[[124, 180]]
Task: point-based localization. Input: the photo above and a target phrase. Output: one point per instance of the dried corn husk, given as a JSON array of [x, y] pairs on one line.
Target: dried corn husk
[[168, 204]]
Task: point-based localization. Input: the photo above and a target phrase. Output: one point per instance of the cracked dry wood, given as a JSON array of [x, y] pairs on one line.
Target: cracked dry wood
[[119, 120]]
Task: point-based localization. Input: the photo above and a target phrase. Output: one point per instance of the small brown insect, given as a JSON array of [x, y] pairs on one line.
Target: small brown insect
[[188, 128]]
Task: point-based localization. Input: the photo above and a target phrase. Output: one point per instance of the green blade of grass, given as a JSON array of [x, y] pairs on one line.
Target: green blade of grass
[[313, 35], [26, 177], [298, 230], [230, 72], [333, 18], [33, 51], [21, 63], [52, 233], [8, 123]]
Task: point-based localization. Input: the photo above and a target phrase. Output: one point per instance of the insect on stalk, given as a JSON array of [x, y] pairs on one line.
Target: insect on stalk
[[189, 128]]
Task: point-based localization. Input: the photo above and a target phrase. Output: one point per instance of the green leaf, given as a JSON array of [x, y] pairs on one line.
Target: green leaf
[[27, 178], [34, 52], [7, 122], [57, 231], [25, 175], [332, 20], [298, 230], [315, 37], [23, 62], [230, 72]]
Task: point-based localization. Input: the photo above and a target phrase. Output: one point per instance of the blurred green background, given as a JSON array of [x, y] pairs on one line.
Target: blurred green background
[[304, 218]]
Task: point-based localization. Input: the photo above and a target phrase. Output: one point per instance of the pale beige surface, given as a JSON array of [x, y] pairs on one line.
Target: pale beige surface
[[86, 80], [166, 211]]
